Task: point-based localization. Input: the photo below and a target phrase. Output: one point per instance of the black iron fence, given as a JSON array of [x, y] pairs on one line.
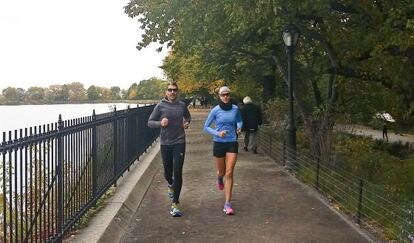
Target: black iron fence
[[52, 174], [372, 206]]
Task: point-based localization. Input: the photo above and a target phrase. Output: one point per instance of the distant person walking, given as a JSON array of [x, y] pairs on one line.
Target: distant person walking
[[227, 121], [172, 115], [385, 131], [252, 119]]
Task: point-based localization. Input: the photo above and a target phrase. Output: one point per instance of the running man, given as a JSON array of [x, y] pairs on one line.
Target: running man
[[172, 115]]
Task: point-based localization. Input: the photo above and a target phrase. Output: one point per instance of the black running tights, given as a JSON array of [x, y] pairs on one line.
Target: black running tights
[[173, 160]]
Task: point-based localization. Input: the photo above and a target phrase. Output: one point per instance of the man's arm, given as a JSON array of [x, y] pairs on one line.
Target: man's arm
[[187, 115], [154, 119], [239, 120]]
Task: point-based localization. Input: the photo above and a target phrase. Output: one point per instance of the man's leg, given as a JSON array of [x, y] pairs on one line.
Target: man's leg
[[246, 140], [179, 155], [253, 141], [167, 160]]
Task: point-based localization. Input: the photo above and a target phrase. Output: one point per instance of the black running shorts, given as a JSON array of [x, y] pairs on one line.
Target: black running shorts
[[220, 149]]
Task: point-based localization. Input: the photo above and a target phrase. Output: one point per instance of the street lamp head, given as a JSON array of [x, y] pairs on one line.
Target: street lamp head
[[291, 35]]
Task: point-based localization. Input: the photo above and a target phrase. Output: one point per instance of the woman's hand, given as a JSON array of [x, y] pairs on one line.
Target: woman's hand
[[222, 133]]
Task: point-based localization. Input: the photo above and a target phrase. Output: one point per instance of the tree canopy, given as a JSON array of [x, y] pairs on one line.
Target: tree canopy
[[75, 92], [353, 57], [149, 89]]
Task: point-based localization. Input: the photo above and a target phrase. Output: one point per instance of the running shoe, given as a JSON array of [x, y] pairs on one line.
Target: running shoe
[[228, 210], [175, 211], [220, 183], [170, 191]]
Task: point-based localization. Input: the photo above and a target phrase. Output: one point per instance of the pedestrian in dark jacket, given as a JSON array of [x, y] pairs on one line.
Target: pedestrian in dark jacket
[[385, 131], [252, 119]]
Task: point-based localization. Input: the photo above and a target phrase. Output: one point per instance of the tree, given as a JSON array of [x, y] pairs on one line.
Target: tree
[[106, 94], [116, 93], [344, 45], [124, 94], [35, 95], [151, 89], [93, 93], [132, 92], [14, 94], [57, 93], [77, 92]]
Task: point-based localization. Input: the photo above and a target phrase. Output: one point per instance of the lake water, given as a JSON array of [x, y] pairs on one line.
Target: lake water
[[22, 116]]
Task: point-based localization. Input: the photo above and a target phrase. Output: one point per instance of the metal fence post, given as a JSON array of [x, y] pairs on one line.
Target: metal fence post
[[94, 157], [115, 141], [128, 136], [361, 187], [317, 173], [271, 145], [60, 179], [409, 223], [284, 152]]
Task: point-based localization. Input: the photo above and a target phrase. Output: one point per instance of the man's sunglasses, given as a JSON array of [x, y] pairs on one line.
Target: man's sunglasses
[[225, 95], [171, 90]]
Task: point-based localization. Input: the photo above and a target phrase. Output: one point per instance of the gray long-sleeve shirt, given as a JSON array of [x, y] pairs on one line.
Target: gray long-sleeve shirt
[[177, 114]]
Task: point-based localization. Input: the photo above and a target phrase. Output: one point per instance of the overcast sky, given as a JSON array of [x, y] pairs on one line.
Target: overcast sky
[[56, 42]]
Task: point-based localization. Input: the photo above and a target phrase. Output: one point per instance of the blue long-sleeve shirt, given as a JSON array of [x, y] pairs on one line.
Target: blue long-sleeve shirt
[[228, 121]]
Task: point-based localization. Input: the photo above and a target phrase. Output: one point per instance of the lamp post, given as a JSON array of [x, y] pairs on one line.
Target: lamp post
[[290, 37]]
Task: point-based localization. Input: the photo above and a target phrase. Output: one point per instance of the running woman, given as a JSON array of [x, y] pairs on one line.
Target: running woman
[[228, 122]]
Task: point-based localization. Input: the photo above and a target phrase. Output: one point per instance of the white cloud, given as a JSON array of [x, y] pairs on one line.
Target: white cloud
[[55, 42]]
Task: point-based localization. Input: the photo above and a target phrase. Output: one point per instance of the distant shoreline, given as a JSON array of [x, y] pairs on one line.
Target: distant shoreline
[[6, 103]]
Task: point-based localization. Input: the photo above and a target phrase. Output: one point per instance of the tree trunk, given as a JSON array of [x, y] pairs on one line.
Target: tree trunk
[[269, 86]]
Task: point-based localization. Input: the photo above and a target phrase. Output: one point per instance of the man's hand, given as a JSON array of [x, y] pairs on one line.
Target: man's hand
[[238, 131], [164, 122], [186, 125]]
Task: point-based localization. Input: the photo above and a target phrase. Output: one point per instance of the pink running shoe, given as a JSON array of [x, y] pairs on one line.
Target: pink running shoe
[[228, 210], [220, 183]]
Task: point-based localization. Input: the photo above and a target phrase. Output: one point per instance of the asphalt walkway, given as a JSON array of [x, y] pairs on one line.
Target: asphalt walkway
[[377, 134], [270, 205]]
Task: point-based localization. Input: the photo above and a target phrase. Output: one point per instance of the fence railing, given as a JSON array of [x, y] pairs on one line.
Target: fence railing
[[52, 174], [371, 206]]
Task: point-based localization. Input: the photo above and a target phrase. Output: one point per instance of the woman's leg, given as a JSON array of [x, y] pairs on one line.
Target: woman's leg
[[220, 165], [229, 167]]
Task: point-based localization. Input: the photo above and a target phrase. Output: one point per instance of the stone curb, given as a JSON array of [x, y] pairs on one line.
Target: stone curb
[[110, 224]]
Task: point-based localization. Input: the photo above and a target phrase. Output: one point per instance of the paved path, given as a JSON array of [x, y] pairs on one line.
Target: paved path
[[270, 205], [377, 134]]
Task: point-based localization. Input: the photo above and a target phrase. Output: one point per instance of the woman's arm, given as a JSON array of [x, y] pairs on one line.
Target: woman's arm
[[207, 129]]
